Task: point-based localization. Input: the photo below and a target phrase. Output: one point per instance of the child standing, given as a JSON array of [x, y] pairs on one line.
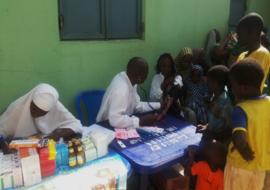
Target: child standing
[[219, 108], [249, 154], [249, 32], [208, 172]]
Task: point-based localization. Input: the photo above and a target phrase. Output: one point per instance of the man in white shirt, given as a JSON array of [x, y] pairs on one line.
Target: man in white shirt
[[121, 99]]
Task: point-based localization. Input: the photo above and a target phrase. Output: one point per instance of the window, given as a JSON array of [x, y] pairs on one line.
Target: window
[[237, 11], [100, 19]]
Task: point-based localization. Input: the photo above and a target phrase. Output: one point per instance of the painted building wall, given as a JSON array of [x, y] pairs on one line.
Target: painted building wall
[[31, 52], [262, 7]]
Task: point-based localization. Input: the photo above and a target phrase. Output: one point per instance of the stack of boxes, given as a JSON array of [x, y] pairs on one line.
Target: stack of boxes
[[10, 171], [40, 158], [30, 166], [47, 156], [89, 149]]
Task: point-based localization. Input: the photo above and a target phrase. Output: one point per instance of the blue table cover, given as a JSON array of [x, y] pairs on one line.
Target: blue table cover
[[153, 152]]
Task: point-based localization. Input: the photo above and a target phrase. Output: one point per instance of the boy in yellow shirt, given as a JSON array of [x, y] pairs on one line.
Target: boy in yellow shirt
[[249, 153], [249, 32]]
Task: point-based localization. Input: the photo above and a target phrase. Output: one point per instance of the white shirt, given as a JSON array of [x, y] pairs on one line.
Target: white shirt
[[155, 90], [120, 102]]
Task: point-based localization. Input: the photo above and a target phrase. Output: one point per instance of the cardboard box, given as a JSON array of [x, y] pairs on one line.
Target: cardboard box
[[10, 171], [89, 149], [30, 166]]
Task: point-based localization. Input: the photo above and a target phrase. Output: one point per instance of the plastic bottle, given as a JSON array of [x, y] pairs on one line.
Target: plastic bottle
[[80, 156], [76, 144], [70, 145], [72, 158], [52, 149], [62, 153]]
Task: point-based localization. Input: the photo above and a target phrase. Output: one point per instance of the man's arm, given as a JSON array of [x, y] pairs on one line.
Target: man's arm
[[117, 110], [142, 107]]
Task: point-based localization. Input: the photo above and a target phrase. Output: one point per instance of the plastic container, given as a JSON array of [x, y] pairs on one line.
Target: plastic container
[[72, 158], [61, 155]]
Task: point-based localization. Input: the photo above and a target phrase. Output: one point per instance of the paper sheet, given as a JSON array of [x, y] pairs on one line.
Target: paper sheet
[[126, 133]]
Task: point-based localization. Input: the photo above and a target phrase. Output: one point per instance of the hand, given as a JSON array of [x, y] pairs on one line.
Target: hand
[[160, 116], [61, 132], [6, 149], [166, 82], [148, 120], [201, 128]]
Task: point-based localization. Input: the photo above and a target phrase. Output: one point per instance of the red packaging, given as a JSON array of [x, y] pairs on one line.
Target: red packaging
[[48, 167]]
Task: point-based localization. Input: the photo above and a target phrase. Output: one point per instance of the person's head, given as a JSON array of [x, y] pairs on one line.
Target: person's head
[[165, 65], [218, 54], [217, 78], [137, 70], [184, 58], [44, 99], [215, 154], [196, 73], [198, 56], [246, 77], [249, 29]]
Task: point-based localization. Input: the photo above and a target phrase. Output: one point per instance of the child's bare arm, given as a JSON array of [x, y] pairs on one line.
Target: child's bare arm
[[166, 106], [241, 144]]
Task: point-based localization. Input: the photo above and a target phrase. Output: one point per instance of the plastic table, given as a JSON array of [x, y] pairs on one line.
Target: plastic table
[[154, 152]]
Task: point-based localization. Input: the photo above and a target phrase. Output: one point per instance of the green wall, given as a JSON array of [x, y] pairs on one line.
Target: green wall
[[262, 7], [30, 50]]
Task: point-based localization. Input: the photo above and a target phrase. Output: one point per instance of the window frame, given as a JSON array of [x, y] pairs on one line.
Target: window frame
[[140, 26]]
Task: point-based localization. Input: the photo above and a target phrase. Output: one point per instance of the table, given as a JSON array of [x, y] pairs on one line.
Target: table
[[85, 177], [154, 152]]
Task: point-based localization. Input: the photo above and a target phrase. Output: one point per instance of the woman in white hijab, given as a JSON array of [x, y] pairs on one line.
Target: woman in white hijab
[[38, 112]]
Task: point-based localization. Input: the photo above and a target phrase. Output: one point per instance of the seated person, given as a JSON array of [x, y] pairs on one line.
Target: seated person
[[209, 171], [196, 94], [38, 112], [121, 99], [219, 108], [184, 63], [199, 58], [171, 95], [165, 68]]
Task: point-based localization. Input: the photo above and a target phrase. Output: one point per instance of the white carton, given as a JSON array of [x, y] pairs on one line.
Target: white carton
[[30, 167], [10, 171]]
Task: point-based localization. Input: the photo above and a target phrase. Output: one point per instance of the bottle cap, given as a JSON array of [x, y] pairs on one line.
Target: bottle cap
[[71, 150]]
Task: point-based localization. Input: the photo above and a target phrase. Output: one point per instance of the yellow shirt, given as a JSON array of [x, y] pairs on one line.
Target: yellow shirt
[[258, 135], [262, 55]]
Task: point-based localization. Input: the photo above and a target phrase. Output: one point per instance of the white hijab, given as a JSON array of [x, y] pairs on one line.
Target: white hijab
[[17, 120]]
